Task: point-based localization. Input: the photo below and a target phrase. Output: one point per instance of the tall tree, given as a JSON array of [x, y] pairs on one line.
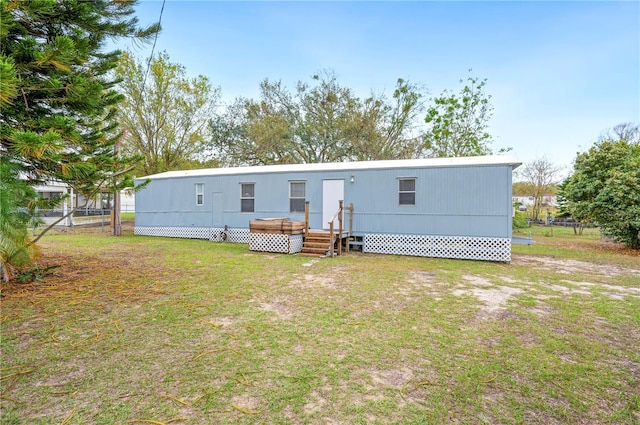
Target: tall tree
[[521, 188], [605, 187], [321, 121], [166, 115], [627, 131], [458, 123], [388, 129], [58, 102], [541, 175], [565, 211]]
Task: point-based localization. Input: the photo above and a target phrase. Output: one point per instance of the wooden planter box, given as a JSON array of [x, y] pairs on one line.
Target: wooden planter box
[[276, 226]]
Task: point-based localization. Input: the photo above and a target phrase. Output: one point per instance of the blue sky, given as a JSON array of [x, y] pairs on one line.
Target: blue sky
[[559, 73]]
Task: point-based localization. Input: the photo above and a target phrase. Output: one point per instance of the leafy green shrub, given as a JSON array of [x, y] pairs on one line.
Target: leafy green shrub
[[520, 220]]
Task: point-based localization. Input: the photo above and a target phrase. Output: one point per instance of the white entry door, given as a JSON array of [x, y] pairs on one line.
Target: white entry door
[[332, 193]]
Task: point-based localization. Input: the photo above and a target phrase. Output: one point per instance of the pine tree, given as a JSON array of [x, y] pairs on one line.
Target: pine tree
[[58, 100]]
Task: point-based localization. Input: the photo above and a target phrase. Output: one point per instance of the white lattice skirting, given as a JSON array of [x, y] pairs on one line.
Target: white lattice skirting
[[210, 233], [230, 235], [268, 242], [175, 232], [463, 247]]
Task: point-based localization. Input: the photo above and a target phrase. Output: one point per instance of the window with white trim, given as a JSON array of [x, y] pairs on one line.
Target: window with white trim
[[407, 191], [199, 194], [247, 197], [296, 197]]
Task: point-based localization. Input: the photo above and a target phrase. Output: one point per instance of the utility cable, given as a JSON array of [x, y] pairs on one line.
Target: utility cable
[[144, 80]]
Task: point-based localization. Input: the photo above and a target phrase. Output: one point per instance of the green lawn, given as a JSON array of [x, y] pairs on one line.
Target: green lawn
[[137, 329], [127, 216]]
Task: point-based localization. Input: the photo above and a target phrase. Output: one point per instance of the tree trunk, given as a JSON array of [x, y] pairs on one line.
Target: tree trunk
[[117, 224], [634, 242]]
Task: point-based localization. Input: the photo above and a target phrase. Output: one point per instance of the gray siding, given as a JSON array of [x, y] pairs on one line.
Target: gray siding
[[454, 200]]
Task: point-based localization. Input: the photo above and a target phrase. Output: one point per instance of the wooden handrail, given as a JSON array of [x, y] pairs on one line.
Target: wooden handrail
[[340, 227], [339, 215], [306, 219], [331, 237], [350, 225], [336, 213]]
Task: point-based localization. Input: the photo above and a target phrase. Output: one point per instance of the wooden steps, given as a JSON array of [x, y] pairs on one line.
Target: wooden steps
[[316, 244]]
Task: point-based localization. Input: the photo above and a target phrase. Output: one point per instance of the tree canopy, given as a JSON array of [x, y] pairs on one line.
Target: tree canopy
[[458, 123], [605, 187], [324, 121], [166, 115], [542, 176], [58, 99], [58, 95], [321, 121]]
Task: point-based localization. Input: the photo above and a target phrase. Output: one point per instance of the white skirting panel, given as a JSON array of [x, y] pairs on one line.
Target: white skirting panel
[[175, 232], [269, 242], [230, 235], [295, 244], [210, 233], [289, 244], [238, 235], [463, 247]]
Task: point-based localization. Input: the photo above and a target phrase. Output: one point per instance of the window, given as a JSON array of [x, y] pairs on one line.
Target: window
[[296, 196], [407, 191], [247, 197], [199, 194]]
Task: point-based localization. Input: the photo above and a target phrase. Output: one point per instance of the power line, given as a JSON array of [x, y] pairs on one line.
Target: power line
[[153, 48]]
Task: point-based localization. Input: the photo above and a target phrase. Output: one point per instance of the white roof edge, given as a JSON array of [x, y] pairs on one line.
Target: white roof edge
[[342, 166]]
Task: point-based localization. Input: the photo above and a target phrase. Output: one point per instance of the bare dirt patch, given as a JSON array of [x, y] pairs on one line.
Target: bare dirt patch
[[222, 321], [421, 278], [614, 291], [246, 403], [587, 288], [317, 403], [508, 279], [568, 291], [280, 308], [336, 279], [569, 266], [394, 378], [419, 282], [494, 299], [477, 280], [541, 310], [322, 281]]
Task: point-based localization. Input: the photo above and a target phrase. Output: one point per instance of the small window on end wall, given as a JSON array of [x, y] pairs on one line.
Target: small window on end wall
[[407, 191], [296, 196], [247, 197], [199, 194]]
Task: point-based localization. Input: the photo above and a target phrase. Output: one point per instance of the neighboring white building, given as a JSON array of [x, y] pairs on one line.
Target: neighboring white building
[[104, 201], [547, 200]]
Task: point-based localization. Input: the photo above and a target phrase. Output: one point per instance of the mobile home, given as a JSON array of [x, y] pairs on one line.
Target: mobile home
[[443, 207]]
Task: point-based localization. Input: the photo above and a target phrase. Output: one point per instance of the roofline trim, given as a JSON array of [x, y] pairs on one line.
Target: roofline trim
[[344, 166]]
